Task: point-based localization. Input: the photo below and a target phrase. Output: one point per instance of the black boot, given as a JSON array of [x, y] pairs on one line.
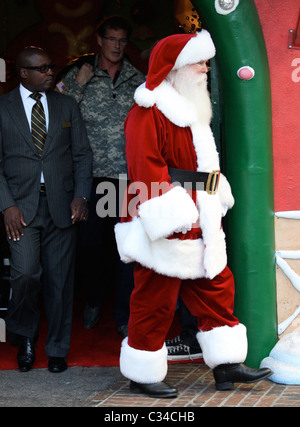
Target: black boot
[[157, 390], [227, 374]]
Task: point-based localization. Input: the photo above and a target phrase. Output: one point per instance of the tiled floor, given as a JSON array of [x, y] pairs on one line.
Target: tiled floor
[[196, 389]]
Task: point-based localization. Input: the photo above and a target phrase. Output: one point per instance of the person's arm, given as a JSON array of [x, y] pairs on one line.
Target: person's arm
[[75, 81], [82, 166], [12, 215]]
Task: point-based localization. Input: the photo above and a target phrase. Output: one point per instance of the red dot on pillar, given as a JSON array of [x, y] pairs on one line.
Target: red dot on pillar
[[246, 73]]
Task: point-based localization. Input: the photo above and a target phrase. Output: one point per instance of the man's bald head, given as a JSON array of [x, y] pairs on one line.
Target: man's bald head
[[26, 56], [35, 69]]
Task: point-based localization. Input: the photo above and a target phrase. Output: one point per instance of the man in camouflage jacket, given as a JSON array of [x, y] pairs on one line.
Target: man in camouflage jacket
[[103, 86], [104, 105]]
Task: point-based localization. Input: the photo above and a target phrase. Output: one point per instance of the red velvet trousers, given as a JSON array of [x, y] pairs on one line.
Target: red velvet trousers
[[154, 299]]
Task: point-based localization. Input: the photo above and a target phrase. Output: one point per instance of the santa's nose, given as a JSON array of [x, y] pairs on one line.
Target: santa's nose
[[204, 66]]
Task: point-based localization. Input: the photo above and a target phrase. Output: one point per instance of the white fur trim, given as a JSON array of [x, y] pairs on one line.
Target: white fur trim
[[185, 259], [144, 367], [215, 257], [144, 97], [211, 207], [162, 216], [173, 258], [174, 106], [197, 49], [205, 148], [224, 345], [224, 192]]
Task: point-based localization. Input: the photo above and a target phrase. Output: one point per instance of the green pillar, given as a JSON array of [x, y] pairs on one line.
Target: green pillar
[[247, 160]]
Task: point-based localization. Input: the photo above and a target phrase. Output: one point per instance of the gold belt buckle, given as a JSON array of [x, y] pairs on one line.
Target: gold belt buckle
[[213, 182]]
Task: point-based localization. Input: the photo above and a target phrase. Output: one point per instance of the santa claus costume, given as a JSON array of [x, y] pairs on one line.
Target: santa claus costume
[[174, 234]]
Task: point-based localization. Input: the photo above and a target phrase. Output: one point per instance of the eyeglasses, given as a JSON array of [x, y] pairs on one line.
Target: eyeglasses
[[204, 64], [113, 40], [42, 69]]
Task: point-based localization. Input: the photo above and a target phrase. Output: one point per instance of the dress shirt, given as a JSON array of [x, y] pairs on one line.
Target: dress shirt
[[29, 103]]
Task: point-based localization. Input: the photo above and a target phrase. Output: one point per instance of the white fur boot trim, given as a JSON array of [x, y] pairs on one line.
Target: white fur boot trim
[[224, 344], [144, 367]]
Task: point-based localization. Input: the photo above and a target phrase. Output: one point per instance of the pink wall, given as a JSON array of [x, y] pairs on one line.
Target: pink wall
[[277, 18]]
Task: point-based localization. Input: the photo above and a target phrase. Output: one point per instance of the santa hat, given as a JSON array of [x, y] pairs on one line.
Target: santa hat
[[172, 53]]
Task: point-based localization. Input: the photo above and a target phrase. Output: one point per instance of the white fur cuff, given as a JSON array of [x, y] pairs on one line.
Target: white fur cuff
[[144, 367], [172, 212], [225, 193], [224, 345]]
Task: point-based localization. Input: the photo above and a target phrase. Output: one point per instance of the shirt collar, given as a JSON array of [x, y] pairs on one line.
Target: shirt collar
[[25, 93]]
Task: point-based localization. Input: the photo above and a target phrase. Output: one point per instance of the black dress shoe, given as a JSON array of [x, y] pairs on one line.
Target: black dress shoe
[[26, 354], [227, 374], [57, 365], [158, 390]]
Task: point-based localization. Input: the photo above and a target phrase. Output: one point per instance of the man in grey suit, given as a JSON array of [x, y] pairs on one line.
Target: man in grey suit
[[45, 181]]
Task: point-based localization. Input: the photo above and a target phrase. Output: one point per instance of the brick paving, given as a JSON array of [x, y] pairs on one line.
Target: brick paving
[[196, 389]]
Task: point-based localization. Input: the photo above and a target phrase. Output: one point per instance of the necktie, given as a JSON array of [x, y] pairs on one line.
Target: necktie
[[38, 123]]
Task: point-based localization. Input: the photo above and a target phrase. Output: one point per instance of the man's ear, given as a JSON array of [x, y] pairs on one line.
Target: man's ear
[[99, 40], [23, 73]]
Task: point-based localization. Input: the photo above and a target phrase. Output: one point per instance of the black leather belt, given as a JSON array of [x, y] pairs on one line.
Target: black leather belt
[[42, 188], [193, 180]]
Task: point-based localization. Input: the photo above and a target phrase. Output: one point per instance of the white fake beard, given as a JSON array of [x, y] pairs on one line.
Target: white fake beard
[[193, 87]]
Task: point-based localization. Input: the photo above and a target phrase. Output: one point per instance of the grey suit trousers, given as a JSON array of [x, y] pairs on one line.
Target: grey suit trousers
[[43, 260]]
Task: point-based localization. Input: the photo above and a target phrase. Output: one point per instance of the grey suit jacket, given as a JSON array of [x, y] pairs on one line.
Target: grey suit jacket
[[66, 161]]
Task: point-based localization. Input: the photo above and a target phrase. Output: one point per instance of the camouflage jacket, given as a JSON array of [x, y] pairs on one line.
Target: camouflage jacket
[[104, 106]]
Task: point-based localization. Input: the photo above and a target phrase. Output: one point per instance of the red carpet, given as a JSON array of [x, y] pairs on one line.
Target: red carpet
[[98, 347]]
